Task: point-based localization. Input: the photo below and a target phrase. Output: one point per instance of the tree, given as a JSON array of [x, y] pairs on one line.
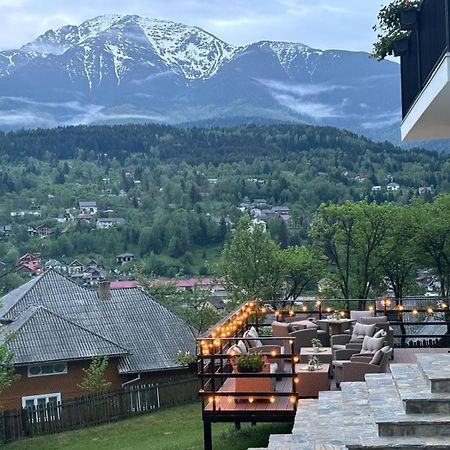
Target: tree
[[303, 269], [94, 380], [400, 252], [8, 375], [252, 264], [351, 236]]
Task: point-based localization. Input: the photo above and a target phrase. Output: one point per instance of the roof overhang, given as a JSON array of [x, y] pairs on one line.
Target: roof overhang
[[429, 116]]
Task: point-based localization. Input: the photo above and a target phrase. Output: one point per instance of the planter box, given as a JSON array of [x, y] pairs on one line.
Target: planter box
[[263, 384], [400, 46], [408, 19]]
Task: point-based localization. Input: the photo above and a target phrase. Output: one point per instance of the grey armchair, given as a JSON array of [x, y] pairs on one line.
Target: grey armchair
[[359, 366], [303, 338]]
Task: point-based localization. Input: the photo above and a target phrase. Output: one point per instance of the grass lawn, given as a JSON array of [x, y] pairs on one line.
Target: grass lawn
[[177, 428]]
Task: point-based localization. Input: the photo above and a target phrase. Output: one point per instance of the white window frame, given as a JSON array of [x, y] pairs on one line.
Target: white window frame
[[30, 375], [39, 396], [47, 414]]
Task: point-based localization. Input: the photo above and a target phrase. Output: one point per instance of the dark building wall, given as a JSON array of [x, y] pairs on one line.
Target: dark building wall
[[65, 384]]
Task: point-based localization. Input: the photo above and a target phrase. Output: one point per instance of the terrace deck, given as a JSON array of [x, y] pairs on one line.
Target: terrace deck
[[408, 355], [226, 406]]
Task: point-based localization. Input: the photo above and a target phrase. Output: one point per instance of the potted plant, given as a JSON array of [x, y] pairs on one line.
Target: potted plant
[[253, 363], [394, 21], [316, 345], [314, 363], [187, 359]]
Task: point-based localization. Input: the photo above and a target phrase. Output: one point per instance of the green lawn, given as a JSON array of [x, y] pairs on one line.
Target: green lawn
[[177, 428]]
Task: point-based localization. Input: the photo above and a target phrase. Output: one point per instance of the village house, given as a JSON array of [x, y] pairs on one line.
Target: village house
[[376, 188], [30, 263], [5, 231], [393, 186], [88, 208], [75, 267], [105, 223], [59, 326], [65, 216], [44, 230], [124, 258]]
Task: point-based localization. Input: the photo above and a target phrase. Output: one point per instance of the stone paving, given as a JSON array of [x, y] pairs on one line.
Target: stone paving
[[408, 408]]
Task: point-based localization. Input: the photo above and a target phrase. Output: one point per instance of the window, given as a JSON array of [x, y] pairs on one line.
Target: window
[[47, 369], [42, 408]]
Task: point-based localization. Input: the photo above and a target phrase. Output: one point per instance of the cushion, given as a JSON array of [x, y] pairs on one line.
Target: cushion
[[358, 314], [371, 344], [241, 346], [376, 359], [379, 355], [234, 350], [360, 330], [252, 333], [380, 333], [371, 320]]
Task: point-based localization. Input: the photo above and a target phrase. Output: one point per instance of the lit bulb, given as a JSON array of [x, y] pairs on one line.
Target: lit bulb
[[296, 359], [370, 308], [250, 400], [291, 341], [328, 310], [430, 310], [272, 399], [296, 380], [304, 308], [414, 311], [293, 400], [444, 305], [273, 353]]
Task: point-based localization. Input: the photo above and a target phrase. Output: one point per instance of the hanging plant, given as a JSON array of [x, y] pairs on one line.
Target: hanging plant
[[389, 26]]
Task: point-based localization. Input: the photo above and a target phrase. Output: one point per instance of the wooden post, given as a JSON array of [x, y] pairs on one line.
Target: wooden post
[[207, 435], [237, 426]]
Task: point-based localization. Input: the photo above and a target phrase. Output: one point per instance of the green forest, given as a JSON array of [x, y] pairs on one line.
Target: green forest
[[180, 191]]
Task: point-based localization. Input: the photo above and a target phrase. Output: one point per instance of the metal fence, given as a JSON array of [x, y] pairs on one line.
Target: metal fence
[[95, 409]]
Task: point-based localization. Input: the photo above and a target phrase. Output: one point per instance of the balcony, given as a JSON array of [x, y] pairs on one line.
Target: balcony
[[425, 74]]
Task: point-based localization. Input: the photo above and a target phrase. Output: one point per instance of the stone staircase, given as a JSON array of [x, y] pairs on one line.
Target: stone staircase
[[408, 408]]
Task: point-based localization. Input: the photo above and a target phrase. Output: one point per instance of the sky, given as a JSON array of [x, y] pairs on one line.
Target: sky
[[324, 24]]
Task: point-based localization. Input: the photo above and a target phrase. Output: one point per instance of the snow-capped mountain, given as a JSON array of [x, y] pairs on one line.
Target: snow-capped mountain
[[115, 68]]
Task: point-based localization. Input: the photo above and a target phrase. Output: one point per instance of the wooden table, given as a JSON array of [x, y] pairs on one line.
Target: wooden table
[[336, 326], [310, 383], [324, 356]]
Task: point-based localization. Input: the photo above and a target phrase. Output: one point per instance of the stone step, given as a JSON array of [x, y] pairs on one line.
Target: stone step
[[420, 425], [436, 369], [393, 443], [415, 391]]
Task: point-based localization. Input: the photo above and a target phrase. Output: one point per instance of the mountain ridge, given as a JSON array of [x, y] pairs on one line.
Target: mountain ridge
[[118, 68]]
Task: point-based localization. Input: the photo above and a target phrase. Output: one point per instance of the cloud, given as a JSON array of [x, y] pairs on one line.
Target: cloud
[[314, 110], [152, 77], [381, 121], [302, 98]]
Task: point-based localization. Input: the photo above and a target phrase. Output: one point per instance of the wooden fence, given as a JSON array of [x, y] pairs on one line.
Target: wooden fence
[[95, 409]]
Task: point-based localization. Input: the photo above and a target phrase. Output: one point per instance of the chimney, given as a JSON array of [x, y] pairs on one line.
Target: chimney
[[104, 290]]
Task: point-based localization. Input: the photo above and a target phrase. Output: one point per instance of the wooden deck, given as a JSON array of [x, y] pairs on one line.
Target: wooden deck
[[408, 355], [227, 406]]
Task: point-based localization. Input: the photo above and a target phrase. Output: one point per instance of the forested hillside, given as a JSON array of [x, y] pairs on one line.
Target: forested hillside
[[180, 190]]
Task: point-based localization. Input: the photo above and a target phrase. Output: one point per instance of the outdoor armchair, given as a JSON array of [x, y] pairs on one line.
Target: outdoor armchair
[[359, 366]]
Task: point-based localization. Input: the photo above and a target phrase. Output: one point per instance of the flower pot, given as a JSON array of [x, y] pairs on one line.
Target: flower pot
[[408, 18], [316, 349], [400, 46]]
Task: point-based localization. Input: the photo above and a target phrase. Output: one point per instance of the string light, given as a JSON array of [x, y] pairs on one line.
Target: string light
[[328, 310], [230, 399], [291, 341], [293, 399], [291, 312], [342, 313], [370, 308], [272, 399], [318, 303], [443, 305], [250, 400], [296, 359], [296, 380], [273, 353], [304, 308], [414, 311], [430, 310]]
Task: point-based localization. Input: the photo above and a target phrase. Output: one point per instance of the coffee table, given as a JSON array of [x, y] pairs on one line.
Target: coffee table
[[336, 326], [311, 383], [324, 356]]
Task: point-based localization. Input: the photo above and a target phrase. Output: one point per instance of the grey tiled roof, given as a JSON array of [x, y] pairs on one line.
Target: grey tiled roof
[[41, 335], [134, 320]]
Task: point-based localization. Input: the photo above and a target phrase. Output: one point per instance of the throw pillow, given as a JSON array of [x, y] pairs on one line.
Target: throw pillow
[[360, 330], [380, 333], [372, 344], [234, 350], [241, 346], [377, 358], [254, 342]]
